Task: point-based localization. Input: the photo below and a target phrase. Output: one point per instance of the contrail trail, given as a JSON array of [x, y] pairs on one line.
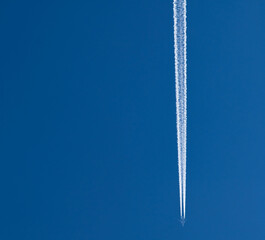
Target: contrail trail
[[180, 49]]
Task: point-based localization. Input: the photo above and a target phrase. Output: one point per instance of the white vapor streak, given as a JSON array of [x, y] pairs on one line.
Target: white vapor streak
[[180, 50]]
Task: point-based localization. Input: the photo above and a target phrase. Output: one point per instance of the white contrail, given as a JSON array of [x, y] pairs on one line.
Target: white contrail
[[180, 49]]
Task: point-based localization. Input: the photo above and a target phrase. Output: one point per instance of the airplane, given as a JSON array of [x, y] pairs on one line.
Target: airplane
[[182, 221]]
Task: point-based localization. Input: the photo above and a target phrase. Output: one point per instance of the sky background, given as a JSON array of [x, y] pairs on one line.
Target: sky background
[[88, 145]]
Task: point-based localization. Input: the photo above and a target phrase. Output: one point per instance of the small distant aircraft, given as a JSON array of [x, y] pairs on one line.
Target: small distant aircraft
[[182, 221]]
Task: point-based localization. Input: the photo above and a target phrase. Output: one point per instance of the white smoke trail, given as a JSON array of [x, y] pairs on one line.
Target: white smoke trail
[[180, 49]]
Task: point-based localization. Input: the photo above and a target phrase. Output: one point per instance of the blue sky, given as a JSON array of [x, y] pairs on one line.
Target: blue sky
[[88, 136]]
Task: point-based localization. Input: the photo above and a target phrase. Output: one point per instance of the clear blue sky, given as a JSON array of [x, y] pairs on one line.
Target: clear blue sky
[[87, 121]]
